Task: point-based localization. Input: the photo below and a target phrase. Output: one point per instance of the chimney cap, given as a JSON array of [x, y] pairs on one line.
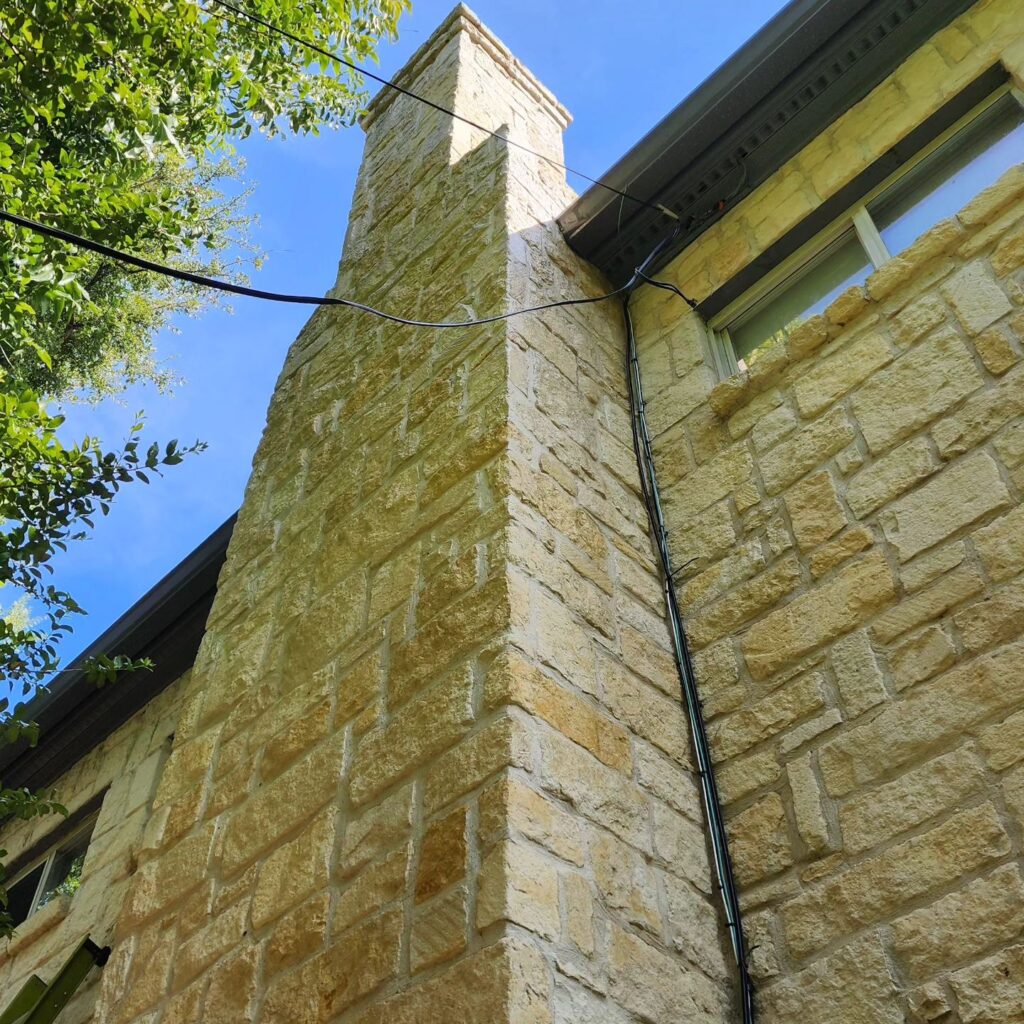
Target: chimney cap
[[463, 19]]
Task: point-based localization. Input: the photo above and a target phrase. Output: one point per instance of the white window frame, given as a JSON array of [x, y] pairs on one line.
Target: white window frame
[[857, 217], [47, 860]]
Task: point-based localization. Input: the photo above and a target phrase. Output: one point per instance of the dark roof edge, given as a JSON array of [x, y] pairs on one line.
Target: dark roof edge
[[166, 625], [809, 65], [747, 66]]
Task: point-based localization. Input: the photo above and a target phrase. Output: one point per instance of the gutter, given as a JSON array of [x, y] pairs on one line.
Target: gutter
[[166, 625], [809, 65], [750, 74]]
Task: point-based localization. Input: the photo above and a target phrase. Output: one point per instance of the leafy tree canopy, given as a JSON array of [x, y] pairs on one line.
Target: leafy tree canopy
[[109, 113], [117, 119]]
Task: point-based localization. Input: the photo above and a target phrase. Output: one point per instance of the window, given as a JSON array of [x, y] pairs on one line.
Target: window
[[57, 872], [940, 179], [809, 290]]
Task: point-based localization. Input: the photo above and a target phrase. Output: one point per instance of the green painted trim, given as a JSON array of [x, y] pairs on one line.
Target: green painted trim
[[24, 1001], [39, 1003]]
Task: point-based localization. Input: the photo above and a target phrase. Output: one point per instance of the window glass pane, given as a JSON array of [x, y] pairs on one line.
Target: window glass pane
[[828, 275], [952, 176], [66, 872], [21, 894]]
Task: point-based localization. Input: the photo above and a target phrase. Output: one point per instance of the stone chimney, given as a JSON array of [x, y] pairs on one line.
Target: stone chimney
[[432, 765]]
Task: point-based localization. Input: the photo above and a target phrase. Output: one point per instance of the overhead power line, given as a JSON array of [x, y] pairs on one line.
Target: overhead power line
[[388, 84], [303, 300]]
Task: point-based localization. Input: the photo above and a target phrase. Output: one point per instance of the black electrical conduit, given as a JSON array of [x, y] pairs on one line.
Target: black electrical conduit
[[691, 700]]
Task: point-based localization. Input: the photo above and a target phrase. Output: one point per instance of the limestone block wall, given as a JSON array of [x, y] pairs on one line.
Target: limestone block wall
[[854, 508], [431, 763], [635, 936], [125, 769]]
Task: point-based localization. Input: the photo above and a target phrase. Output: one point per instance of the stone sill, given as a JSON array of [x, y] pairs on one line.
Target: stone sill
[[43, 920], [965, 232]]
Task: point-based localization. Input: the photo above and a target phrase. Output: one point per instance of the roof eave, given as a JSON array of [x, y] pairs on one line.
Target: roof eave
[[808, 65], [166, 625]]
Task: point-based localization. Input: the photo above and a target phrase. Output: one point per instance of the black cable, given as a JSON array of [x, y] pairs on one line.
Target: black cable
[[667, 286], [388, 84], [305, 300], [684, 664], [649, 487], [718, 206]]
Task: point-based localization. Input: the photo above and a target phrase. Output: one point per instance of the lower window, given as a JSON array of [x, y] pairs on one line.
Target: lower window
[[58, 872]]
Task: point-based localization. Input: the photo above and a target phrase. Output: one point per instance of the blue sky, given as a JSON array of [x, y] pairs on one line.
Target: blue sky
[[618, 76]]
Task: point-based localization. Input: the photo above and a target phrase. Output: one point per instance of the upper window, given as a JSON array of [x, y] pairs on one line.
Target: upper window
[[56, 872], [940, 179]]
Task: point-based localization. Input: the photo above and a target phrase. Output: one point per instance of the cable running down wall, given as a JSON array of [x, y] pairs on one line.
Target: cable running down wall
[[691, 700]]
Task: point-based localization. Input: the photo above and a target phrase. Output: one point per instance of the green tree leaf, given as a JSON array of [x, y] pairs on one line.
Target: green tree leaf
[[117, 122]]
